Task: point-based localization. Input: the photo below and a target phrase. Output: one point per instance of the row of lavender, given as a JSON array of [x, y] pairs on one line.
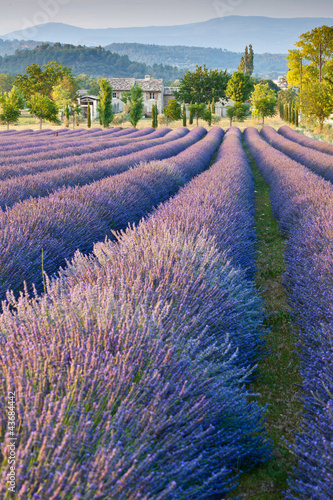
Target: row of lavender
[[317, 161], [130, 372], [75, 218], [17, 189], [86, 154], [291, 134], [303, 203], [48, 149]]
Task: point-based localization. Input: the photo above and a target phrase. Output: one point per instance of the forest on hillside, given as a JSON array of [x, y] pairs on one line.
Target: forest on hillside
[[96, 62], [265, 65]]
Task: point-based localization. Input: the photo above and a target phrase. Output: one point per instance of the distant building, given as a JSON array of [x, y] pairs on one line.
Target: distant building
[[92, 101], [282, 82], [153, 92]]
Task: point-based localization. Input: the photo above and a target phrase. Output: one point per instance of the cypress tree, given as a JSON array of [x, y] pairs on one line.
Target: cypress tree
[[105, 104], [153, 111], [213, 106], [250, 66], [246, 61], [191, 114], [156, 116], [184, 115], [88, 117]]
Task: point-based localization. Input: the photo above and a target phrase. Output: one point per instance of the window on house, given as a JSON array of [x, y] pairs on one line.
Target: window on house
[[114, 95], [151, 95]]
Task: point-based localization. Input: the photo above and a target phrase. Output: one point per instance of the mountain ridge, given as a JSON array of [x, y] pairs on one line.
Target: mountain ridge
[[266, 34]]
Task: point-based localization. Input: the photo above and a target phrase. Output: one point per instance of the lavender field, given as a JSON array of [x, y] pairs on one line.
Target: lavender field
[[131, 327]]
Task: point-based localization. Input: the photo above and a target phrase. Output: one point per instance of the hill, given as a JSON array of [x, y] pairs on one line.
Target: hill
[[273, 35], [265, 65], [97, 62]]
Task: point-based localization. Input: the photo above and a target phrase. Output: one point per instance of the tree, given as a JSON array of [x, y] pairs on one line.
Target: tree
[[11, 105], [43, 108], [154, 116], [263, 101], [134, 99], [313, 58], [241, 66], [317, 101], [198, 111], [88, 116], [105, 107], [246, 63], [6, 82], [184, 115], [202, 86], [239, 87], [172, 110], [250, 62], [39, 81], [237, 112]]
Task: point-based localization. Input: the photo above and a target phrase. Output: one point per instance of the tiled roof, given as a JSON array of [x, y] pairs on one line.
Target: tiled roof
[[125, 84], [151, 85], [122, 84]]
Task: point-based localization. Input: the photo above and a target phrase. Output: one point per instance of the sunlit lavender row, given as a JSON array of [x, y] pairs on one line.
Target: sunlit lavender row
[[127, 372], [77, 217], [23, 140], [318, 162], [71, 146], [303, 202], [292, 135], [104, 152], [17, 189]]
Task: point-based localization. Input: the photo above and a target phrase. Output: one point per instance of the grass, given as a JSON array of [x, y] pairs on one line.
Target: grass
[[28, 121], [279, 370]]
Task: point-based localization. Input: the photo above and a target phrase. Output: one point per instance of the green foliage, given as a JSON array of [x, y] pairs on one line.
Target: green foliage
[[246, 63], [184, 115], [172, 110], [239, 87], [134, 99], [191, 113], [213, 106], [202, 86], [94, 61], [154, 116], [271, 85], [11, 105], [317, 101], [313, 58], [6, 82], [237, 112], [187, 58], [289, 105], [105, 107], [263, 101], [43, 108], [39, 81], [198, 111], [88, 116]]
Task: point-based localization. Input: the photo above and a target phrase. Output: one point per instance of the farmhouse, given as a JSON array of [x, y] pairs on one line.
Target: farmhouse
[[153, 92]]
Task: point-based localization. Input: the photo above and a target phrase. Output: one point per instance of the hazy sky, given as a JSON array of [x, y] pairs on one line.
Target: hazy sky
[[20, 14]]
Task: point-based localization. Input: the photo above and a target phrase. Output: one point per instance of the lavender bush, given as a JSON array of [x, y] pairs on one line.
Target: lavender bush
[[303, 202], [320, 163], [127, 374], [39, 150], [292, 135], [102, 152], [77, 217], [17, 189]]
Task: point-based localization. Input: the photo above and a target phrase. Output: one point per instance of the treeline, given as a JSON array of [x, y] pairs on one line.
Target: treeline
[[270, 65], [96, 62], [8, 47]]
